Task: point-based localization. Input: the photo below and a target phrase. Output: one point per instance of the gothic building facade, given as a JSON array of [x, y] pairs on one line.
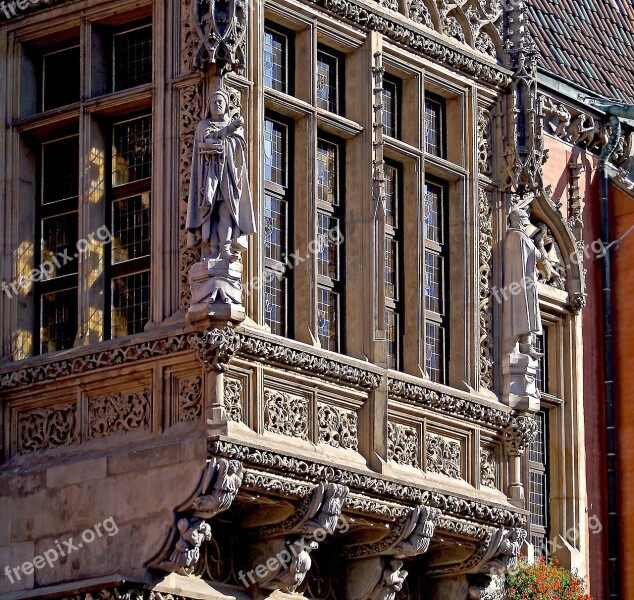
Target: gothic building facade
[[292, 299]]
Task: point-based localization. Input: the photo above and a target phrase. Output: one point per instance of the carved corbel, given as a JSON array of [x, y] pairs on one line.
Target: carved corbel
[[377, 578], [219, 484], [482, 575], [280, 552], [215, 347], [375, 569], [519, 435]]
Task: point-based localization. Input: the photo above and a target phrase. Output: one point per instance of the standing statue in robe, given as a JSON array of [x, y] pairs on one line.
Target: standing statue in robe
[[521, 305], [220, 208]]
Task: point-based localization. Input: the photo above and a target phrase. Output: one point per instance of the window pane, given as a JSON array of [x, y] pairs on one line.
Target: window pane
[[540, 544], [392, 336], [130, 303], [433, 213], [275, 60], [275, 152], [390, 109], [328, 319], [538, 498], [328, 250], [434, 290], [131, 228], [59, 320], [391, 195], [327, 75], [391, 268], [60, 78], [59, 244], [433, 128], [327, 172], [275, 293], [132, 151], [435, 352], [60, 170], [537, 451], [275, 227], [132, 58]]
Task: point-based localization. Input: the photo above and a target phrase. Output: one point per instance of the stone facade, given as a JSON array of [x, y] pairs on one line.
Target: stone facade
[[205, 455]]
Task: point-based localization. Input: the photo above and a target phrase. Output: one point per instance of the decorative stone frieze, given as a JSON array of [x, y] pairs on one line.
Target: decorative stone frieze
[[125, 592], [306, 470], [414, 39], [311, 363], [403, 444], [446, 404], [337, 427], [13, 377], [46, 428], [485, 155], [443, 456], [119, 413], [286, 414]]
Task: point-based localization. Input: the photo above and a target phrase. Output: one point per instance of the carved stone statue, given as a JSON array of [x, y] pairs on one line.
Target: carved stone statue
[[228, 481], [220, 208], [521, 306]]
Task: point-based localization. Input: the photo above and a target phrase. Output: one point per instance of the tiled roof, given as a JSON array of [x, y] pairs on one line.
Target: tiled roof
[[587, 42]]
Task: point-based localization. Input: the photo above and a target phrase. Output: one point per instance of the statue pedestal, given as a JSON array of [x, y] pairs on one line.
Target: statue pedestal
[[216, 286], [520, 384]]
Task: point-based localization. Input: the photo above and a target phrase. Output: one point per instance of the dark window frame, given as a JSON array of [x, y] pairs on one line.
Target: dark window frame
[[398, 95], [289, 34], [442, 124], [340, 96]]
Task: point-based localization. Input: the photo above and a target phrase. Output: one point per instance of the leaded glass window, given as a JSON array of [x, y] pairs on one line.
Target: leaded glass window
[[391, 107], [392, 268], [276, 59], [277, 225], [538, 485], [329, 69], [130, 303], [435, 280], [434, 126], [131, 151], [132, 57], [328, 311]]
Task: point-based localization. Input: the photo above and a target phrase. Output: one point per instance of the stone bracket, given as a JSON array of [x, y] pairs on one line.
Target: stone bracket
[[219, 484]]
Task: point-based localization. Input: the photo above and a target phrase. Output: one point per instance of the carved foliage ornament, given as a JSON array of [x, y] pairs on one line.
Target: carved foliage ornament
[[286, 414], [488, 468], [485, 241], [118, 413], [45, 428], [189, 399], [443, 456], [337, 427], [519, 435], [402, 444]]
